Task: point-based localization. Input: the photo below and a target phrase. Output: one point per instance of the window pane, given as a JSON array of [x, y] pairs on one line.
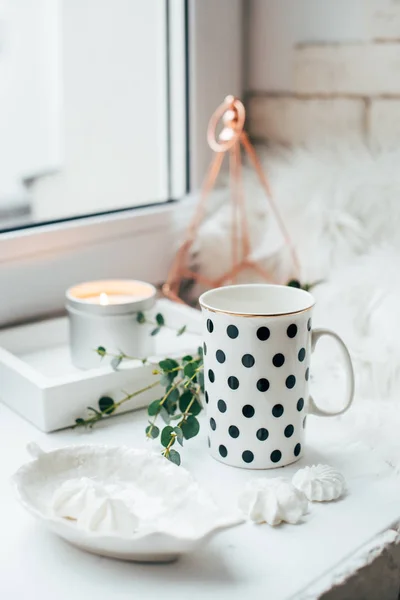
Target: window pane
[[83, 107]]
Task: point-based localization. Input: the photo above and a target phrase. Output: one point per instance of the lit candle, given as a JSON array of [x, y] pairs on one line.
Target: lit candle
[[104, 313]]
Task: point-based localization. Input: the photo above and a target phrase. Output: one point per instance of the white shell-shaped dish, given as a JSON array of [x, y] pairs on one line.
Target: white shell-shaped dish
[[320, 483], [175, 514], [272, 501]]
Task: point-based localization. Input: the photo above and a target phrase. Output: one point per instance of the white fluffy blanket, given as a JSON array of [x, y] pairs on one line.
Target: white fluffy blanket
[[342, 207]]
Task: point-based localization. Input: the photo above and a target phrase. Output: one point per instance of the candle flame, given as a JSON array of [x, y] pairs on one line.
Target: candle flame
[[104, 299]]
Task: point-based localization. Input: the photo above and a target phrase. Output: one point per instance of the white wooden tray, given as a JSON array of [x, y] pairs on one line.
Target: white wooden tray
[[38, 380]]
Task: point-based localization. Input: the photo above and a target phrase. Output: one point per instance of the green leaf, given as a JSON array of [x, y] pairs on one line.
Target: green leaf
[[179, 435], [80, 421], [190, 428], [200, 379], [153, 408], [166, 435], [173, 395], [187, 358], [184, 402], [168, 364], [106, 405], [155, 331], [294, 283], [165, 364], [166, 379], [189, 369], [164, 414], [181, 330], [200, 351], [171, 404], [116, 361], [175, 417], [160, 319], [152, 431], [101, 351], [174, 457], [140, 317]]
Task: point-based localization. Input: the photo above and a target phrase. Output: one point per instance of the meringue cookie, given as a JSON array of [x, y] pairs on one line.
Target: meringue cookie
[[93, 508], [272, 501], [75, 495], [320, 483], [108, 515]]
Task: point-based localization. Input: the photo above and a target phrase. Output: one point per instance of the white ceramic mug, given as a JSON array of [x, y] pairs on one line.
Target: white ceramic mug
[[258, 342]]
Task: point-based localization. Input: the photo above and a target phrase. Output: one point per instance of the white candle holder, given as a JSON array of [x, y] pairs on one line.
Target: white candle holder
[[104, 313]]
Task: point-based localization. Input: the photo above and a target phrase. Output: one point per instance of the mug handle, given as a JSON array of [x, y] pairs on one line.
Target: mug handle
[[312, 407]]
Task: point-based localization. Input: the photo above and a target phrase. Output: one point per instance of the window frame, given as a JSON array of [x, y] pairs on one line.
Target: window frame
[[38, 263]]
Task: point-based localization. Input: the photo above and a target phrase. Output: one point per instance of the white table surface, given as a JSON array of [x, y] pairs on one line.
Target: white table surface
[[250, 561]]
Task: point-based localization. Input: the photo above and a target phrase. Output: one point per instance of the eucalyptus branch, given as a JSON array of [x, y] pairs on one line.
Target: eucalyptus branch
[[183, 382], [179, 367], [150, 429], [159, 323], [107, 406], [166, 452], [117, 358], [187, 413], [191, 379]]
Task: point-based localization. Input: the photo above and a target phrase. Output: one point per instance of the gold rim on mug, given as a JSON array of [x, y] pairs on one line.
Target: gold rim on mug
[[255, 315]]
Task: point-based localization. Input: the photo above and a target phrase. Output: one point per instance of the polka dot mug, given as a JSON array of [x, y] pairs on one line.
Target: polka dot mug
[[257, 349]]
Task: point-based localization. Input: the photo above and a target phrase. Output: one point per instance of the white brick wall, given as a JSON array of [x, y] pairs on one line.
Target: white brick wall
[[347, 69], [383, 122], [341, 88], [289, 120], [384, 19]]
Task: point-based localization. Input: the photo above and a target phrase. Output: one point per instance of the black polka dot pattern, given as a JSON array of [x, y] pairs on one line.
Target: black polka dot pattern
[[233, 431], [220, 356], [277, 410], [221, 404], [262, 434], [248, 456], [278, 360], [263, 333], [223, 451], [232, 331], [233, 382], [248, 411], [276, 456], [263, 385], [289, 430], [268, 432], [290, 382], [248, 361]]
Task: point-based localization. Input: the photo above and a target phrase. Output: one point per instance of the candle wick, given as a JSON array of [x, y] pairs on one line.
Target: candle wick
[[104, 299]]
